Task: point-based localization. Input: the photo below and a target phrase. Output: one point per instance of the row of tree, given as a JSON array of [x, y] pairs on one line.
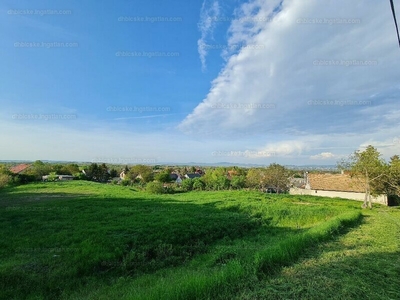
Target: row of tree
[[219, 178], [274, 176], [375, 174]]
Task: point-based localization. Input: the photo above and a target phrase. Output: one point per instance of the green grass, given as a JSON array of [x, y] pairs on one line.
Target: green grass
[[362, 264], [83, 240]]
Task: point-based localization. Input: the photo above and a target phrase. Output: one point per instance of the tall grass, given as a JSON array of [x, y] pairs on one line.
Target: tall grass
[[83, 240], [208, 284], [287, 251], [202, 284]]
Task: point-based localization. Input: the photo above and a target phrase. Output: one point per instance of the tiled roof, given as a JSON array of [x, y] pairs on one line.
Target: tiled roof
[[193, 175], [335, 182], [19, 168]]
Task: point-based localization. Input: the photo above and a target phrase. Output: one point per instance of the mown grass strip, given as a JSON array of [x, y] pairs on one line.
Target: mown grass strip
[[205, 284], [270, 260]]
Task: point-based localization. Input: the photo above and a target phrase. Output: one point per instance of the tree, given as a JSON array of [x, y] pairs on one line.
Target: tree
[[238, 182], [145, 173], [103, 174], [236, 171], [198, 184], [72, 168], [255, 178], [4, 180], [222, 183], [163, 176], [113, 173], [40, 169], [216, 179], [97, 172], [276, 176], [369, 169], [4, 170], [392, 179], [91, 171], [59, 169], [187, 184]]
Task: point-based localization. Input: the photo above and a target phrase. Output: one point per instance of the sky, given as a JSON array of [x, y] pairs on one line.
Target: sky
[[248, 82]]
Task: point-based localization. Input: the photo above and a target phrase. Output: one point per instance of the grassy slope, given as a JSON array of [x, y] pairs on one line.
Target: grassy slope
[[69, 234], [57, 237], [363, 264]]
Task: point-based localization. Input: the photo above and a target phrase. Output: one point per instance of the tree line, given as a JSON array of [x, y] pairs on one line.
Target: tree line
[[274, 176], [374, 174]]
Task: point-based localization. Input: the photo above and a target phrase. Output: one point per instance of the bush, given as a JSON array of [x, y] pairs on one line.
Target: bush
[[52, 176], [23, 178], [187, 185], [198, 184], [238, 182], [125, 182], [155, 187], [80, 176], [170, 189], [163, 177], [4, 180]]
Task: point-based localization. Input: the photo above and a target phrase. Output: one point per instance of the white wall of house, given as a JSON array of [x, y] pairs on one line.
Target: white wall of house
[[381, 199]]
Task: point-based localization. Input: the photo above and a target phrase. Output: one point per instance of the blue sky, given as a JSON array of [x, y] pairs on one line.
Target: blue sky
[[293, 82]]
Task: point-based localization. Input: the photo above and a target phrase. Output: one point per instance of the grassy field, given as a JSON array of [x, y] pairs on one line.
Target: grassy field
[[83, 240]]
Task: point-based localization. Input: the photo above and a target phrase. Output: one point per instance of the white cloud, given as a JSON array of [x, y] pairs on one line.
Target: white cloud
[[284, 148], [286, 63], [209, 14], [323, 155]]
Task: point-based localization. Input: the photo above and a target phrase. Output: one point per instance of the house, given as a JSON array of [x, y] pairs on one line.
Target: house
[[199, 171], [297, 182], [175, 178], [58, 177], [65, 177], [335, 185], [192, 175], [20, 169]]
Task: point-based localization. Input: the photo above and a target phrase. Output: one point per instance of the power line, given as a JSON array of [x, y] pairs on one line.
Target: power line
[[395, 21]]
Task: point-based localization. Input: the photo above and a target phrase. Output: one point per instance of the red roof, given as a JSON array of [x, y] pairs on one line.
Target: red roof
[[335, 182], [19, 168]]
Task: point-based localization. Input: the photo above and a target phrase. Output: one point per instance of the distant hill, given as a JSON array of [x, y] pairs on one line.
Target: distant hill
[[217, 164]]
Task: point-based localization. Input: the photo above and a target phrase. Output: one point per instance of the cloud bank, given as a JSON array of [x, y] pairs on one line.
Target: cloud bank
[[305, 69]]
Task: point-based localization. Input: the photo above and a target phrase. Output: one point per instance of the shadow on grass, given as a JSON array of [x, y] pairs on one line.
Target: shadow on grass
[[369, 276], [61, 241]]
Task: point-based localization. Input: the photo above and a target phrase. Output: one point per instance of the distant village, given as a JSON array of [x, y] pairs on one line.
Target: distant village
[[275, 178]]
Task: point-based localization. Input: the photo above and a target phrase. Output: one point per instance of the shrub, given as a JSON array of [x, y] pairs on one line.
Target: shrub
[[187, 185], [80, 176], [52, 176], [155, 187], [4, 180], [24, 178], [238, 182], [198, 184], [125, 182]]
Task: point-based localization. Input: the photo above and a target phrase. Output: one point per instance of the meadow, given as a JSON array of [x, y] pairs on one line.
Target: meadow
[[85, 240]]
